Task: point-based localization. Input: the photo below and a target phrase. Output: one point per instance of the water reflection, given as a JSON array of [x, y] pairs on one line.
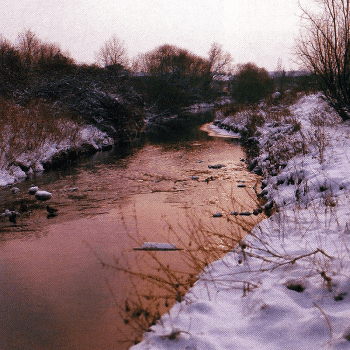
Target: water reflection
[[54, 294]]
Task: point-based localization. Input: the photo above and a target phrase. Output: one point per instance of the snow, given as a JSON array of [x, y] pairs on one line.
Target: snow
[[32, 190], [287, 286], [157, 246], [214, 130], [34, 160]]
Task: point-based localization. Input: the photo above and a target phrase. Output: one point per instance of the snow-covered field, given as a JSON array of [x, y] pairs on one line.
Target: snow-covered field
[[33, 160], [287, 285]]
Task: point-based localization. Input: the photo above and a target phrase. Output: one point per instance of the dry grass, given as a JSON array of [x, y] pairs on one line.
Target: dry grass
[[28, 129]]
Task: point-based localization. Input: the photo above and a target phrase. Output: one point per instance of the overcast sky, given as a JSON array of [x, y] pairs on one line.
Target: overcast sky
[[259, 31]]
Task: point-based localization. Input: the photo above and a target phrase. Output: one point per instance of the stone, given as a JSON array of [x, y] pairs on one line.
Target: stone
[[245, 213], [15, 190], [33, 190], [43, 195], [217, 166]]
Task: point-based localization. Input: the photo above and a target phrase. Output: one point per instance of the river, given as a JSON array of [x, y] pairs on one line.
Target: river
[[54, 291]]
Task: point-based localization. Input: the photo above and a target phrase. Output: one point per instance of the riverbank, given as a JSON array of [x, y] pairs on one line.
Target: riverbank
[[69, 141], [87, 140], [286, 286]]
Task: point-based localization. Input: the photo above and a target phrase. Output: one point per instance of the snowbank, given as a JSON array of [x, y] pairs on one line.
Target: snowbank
[[287, 286], [29, 162]]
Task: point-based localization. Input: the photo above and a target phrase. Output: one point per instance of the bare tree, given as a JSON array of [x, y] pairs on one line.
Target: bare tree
[[324, 48], [219, 61], [175, 76], [36, 54], [170, 62], [29, 47], [112, 53]]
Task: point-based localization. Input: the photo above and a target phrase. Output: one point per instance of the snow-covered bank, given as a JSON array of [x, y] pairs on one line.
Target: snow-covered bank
[[214, 130], [287, 285], [87, 137]]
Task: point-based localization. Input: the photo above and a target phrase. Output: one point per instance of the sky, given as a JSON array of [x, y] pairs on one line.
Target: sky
[[259, 31]]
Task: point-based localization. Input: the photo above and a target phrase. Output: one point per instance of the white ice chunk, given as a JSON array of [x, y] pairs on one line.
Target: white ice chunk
[[158, 246]]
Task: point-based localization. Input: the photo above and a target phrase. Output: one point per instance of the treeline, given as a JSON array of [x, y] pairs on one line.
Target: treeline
[[188, 77], [111, 93], [33, 72], [114, 93], [31, 57]]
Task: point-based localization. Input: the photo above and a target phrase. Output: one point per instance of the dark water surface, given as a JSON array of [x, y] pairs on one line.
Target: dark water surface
[[54, 293]]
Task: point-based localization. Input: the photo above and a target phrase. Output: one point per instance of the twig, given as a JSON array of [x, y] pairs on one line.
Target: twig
[[327, 319]]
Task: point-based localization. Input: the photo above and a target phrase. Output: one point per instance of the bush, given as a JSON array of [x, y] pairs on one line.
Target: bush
[[251, 84]]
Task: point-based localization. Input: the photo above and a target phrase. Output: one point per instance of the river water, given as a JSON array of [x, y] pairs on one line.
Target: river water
[[54, 291]]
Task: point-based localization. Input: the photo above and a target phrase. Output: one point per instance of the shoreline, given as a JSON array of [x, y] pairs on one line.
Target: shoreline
[[55, 155], [215, 131], [287, 284]]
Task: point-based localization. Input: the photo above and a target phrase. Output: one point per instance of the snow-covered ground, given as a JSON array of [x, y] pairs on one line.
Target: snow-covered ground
[[34, 160], [287, 285]]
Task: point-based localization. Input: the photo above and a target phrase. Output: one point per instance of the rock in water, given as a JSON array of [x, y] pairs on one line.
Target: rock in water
[[7, 213], [245, 213], [15, 190], [208, 179], [216, 166], [51, 210], [43, 195], [13, 217], [23, 207], [33, 190]]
